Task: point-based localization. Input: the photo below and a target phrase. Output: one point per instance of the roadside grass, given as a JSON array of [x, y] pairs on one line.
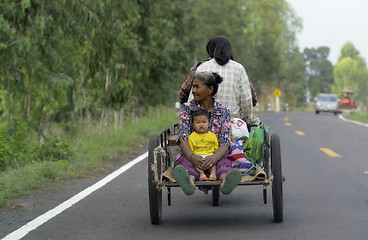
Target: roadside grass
[[361, 117], [92, 148], [19, 181]]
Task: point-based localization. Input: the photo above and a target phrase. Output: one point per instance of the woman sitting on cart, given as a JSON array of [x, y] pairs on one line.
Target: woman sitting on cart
[[205, 86]]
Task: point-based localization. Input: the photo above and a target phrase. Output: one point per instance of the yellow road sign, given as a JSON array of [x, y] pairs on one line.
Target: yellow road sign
[[277, 92]]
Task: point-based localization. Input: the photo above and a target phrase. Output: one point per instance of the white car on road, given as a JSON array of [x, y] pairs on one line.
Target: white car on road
[[327, 102]]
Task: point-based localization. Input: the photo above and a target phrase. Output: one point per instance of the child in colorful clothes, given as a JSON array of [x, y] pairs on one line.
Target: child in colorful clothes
[[203, 142]]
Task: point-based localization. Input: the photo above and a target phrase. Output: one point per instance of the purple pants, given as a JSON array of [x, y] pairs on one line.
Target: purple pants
[[222, 166]]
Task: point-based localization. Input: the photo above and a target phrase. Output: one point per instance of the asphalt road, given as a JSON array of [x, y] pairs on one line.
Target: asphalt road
[[325, 195]]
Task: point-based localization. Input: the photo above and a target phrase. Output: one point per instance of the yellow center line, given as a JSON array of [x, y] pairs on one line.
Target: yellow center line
[[299, 133], [288, 124], [330, 152], [366, 172], [286, 118]]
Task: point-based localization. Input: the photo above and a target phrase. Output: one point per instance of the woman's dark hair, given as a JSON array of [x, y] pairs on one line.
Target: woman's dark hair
[[200, 112], [220, 49], [210, 79]]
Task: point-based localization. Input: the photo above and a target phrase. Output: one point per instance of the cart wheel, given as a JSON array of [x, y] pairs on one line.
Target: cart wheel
[[155, 196], [266, 162], [215, 196], [277, 197]]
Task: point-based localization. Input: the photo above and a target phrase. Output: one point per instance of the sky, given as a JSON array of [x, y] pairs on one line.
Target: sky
[[332, 23]]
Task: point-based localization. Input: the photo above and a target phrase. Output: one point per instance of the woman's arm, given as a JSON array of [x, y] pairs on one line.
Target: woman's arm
[[220, 153]]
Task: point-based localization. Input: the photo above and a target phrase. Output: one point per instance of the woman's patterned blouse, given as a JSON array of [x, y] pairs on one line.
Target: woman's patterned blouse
[[219, 122]]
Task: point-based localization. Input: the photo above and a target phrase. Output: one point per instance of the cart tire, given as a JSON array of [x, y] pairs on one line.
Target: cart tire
[[215, 196], [266, 161], [155, 196], [277, 196]]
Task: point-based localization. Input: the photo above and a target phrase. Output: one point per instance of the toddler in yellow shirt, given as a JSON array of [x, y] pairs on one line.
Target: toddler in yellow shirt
[[203, 142]]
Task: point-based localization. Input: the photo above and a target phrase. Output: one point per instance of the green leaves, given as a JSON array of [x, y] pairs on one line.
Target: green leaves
[[346, 73], [13, 145], [65, 58], [319, 70], [16, 149], [25, 4], [351, 73]]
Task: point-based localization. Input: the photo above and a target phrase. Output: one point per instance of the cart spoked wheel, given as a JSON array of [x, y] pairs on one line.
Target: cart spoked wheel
[[277, 196], [215, 196], [155, 195]]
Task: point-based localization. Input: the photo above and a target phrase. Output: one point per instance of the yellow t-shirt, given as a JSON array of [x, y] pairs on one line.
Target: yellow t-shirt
[[203, 143]]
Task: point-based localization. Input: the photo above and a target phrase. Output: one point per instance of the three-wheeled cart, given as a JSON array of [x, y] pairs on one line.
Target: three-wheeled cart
[[162, 150]]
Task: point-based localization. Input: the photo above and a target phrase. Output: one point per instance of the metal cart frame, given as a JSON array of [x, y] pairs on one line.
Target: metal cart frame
[[160, 159]]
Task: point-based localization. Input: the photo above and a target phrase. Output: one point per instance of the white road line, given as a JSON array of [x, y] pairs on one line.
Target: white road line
[[352, 121], [21, 232]]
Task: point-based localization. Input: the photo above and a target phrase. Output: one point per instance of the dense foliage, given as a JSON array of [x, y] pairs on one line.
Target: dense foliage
[[65, 59], [17, 149], [351, 73], [319, 71]]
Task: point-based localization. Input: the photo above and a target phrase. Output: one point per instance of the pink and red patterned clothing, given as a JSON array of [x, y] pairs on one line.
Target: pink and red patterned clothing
[[203, 143], [219, 124], [220, 121]]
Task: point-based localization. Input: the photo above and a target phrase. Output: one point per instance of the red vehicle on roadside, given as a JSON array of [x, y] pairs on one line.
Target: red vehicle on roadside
[[347, 102]]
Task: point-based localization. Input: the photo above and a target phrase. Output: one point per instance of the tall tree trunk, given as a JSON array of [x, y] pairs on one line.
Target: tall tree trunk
[[27, 108], [88, 115], [104, 122], [76, 106], [79, 91], [107, 120], [116, 119], [9, 105], [102, 119], [45, 128], [133, 112], [121, 117], [108, 80]]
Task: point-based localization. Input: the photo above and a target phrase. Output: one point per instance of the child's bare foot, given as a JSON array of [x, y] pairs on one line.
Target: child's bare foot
[[202, 177], [212, 177]]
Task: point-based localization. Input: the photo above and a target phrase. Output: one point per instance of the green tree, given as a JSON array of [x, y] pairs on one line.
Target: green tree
[[351, 73], [294, 87], [349, 50], [346, 74], [319, 71], [64, 60], [71, 57]]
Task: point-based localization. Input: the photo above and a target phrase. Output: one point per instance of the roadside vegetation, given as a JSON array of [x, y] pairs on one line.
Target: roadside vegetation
[[75, 156], [361, 117]]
